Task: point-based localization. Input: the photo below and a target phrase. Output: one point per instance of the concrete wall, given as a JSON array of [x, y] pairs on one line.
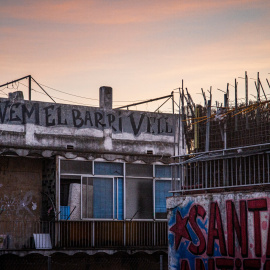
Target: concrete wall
[[50, 126], [219, 231], [20, 187]]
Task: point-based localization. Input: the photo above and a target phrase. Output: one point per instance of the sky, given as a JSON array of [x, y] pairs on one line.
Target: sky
[[142, 49]]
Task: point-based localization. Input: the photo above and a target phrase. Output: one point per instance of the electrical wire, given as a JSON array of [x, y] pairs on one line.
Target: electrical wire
[[68, 93], [59, 98], [63, 92], [4, 92], [115, 101]]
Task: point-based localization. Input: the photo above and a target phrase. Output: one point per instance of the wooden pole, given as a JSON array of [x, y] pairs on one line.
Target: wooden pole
[[225, 123], [183, 116], [258, 98], [235, 116], [207, 137], [225, 139], [29, 86], [246, 88], [196, 128]]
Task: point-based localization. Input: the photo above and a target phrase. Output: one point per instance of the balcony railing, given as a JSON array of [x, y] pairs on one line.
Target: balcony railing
[[83, 234], [241, 168]]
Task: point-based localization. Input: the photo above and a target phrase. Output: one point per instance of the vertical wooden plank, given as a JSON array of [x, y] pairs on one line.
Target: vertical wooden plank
[[208, 126], [225, 123], [235, 112], [196, 128], [258, 98], [246, 90]]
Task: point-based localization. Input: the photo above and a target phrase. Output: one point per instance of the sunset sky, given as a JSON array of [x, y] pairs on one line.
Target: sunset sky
[[142, 49]]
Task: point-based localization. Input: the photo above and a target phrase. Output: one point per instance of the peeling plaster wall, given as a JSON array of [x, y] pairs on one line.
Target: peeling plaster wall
[[218, 231], [20, 187], [49, 126]]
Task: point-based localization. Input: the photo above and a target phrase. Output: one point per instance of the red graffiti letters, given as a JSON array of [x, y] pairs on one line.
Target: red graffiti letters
[[195, 211], [245, 243]]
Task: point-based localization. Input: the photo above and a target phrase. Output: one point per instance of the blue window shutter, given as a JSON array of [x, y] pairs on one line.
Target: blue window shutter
[[163, 171], [162, 188], [120, 199], [64, 212], [108, 168], [103, 198], [115, 198]]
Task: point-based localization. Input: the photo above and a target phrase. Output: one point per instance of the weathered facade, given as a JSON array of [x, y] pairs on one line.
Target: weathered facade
[[219, 217], [216, 231], [86, 179]]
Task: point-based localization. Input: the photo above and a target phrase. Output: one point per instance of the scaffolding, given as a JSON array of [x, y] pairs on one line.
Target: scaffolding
[[228, 145]]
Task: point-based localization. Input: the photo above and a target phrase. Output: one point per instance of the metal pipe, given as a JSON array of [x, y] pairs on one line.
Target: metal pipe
[[221, 150], [25, 77], [139, 103]]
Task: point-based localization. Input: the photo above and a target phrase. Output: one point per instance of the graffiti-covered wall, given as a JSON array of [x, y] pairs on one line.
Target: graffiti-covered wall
[[49, 126], [219, 231]]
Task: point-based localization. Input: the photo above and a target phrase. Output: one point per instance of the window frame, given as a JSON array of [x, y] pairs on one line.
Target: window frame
[[113, 197], [80, 176], [115, 186]]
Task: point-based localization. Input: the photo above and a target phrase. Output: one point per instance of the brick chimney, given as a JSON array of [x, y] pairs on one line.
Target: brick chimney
[[16, 96], [105, 97]]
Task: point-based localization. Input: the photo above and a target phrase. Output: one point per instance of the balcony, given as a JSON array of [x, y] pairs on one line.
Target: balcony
[[242, 168], [57, 235]]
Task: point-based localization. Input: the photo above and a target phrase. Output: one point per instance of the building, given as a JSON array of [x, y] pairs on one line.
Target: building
[[219, 215], [88, 180]]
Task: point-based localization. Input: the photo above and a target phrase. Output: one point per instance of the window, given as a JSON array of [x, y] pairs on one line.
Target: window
[[163, 171], [139, 191], [97, 197], [163, 174], [102, 196], [95, 190], [108, 168], [76, 167], [139, 198], [68, 186], [139, 170], [162, 188]]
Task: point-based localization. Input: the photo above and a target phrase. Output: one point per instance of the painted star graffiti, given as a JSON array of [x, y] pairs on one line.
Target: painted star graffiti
[[179, 229]]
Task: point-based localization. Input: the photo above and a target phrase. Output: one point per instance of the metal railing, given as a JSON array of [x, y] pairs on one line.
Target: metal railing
[[107, 234], [218, 170], [26, 234], [83, 234]]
